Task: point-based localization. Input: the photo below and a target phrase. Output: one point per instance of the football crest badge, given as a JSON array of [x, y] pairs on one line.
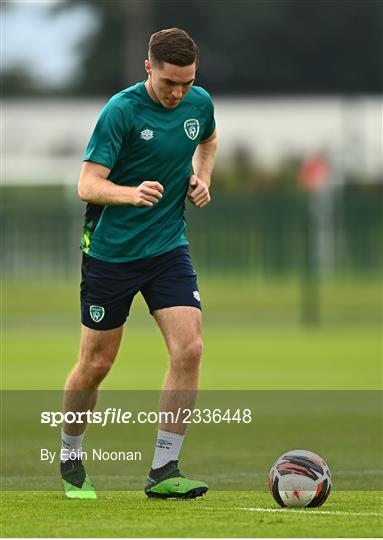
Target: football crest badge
[[191, 128], [97, 313]]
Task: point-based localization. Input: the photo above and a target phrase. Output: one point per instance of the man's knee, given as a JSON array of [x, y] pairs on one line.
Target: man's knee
[[98, 351], [96, 366], [187, 356]]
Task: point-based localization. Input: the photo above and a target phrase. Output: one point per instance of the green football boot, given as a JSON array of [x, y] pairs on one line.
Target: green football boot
[[77, 484], [167, 482]]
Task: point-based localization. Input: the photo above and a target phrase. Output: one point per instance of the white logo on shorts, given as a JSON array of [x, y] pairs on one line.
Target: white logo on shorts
[[97, 313], [197, 296]]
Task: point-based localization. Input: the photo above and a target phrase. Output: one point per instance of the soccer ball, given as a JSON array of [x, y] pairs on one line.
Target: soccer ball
[[300, 478]]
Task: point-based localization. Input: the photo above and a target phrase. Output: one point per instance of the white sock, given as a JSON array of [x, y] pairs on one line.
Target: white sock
[[70, 443], [168, 447]]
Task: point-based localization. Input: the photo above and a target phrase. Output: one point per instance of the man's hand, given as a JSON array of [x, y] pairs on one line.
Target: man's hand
[[199, 195], [146, 194]]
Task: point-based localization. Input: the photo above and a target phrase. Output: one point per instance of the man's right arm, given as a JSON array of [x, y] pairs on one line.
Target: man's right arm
[[94, 187]]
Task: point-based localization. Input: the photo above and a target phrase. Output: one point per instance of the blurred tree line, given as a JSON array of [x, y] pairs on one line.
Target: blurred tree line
[[248, 47]]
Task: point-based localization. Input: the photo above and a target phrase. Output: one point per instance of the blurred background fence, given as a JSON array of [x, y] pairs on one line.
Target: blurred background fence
[[267, 234]]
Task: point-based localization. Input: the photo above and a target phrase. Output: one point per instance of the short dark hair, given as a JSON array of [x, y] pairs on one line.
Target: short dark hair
[[173, 46]]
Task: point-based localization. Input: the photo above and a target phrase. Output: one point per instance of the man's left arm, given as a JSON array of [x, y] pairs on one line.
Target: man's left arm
[[203, 164]]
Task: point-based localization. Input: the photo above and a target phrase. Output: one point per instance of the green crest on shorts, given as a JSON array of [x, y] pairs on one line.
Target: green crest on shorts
[[97, 313]]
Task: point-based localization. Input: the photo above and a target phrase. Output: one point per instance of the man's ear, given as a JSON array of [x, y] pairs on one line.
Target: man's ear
[[148, 67]]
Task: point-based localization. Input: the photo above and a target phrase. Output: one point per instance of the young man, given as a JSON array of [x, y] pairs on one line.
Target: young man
[[153, 145]]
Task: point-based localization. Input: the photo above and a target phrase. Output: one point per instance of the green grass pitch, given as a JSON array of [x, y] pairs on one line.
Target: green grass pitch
[[253, 341], [220, 514]]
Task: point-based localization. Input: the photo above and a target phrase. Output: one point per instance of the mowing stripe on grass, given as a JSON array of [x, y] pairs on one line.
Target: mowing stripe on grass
[[291, 511]]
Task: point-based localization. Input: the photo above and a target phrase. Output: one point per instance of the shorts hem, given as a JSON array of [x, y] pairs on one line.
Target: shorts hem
[[112, 327], [156, 308]]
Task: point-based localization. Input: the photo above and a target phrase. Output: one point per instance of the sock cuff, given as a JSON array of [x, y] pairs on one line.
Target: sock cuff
[[71, 439], [162, 433]]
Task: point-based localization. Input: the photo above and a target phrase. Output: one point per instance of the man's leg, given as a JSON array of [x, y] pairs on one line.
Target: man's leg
[[181, 328], [98, 350]]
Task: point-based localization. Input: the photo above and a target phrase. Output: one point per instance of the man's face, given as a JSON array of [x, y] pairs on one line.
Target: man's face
[[170, 83]]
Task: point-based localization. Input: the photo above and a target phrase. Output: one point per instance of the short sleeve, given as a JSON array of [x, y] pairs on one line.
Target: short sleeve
[[107, 138], [209, 113]]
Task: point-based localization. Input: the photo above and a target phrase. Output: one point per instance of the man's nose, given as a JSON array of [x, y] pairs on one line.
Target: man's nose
[[177, 93]]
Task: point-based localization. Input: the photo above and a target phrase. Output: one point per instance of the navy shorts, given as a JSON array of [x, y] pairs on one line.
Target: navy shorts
[[108, 289]]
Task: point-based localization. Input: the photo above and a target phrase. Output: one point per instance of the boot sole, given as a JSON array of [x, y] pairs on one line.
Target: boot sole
[[191, 494]]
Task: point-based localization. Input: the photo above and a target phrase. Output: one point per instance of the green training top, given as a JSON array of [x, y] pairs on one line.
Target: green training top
[[139, 139]]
